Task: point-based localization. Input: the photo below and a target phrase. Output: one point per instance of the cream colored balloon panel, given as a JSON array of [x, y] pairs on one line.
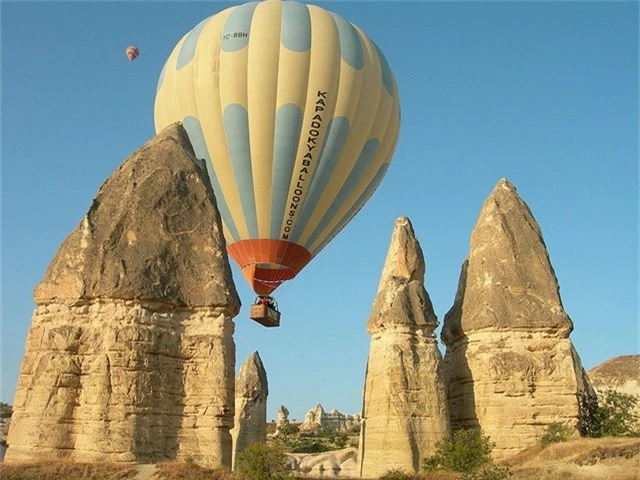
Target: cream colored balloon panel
[[291, 107]]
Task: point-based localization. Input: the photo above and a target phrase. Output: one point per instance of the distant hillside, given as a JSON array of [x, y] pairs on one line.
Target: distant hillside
[[619, 373]]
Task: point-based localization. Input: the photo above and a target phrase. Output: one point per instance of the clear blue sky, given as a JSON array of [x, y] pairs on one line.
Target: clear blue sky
[[544, 94]]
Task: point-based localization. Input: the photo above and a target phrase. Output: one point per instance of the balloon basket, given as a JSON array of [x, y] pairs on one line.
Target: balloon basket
[[265, 315]]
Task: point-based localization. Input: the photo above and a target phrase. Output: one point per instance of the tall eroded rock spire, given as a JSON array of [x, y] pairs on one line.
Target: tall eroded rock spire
[[404, 407], [509, 282], [130, 355], [510, 366], [252, 390]]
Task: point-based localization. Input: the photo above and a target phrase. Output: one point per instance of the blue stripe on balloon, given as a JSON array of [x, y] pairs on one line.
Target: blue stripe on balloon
[[295, 33], [375, 182], [235, 34], [337, 133], [288, 126], [161, 79], [350, 45], [364, 160], [188, 49], [194, 130], [387, 76], [236, 129]]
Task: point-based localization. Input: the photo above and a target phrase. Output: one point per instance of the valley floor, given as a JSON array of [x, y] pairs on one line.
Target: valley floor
[[582, 459]]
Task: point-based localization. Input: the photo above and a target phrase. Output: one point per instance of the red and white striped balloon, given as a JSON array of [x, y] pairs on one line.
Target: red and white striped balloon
[[132, 52]]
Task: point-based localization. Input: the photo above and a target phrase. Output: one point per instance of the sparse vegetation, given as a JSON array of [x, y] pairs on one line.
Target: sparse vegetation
[[396, 474], [488, 472], [468, 451], [612, 414], [612, 457], [189, 471], [292, 441], [5, 410], [555, 433], [58, 470], [262, 462]]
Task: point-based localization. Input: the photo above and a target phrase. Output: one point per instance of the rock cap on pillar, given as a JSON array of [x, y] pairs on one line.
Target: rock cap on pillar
[[131, 245], [507, 282], [402, 298], [251, 381]]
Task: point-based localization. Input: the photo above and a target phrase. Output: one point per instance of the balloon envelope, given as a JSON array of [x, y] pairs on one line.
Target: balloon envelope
[[296, 112], [132, 52]]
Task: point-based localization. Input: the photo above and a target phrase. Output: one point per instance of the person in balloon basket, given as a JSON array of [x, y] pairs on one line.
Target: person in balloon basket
[[266, 300]]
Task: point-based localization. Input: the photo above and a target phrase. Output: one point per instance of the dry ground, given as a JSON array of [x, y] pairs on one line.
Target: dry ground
[[582, 459]]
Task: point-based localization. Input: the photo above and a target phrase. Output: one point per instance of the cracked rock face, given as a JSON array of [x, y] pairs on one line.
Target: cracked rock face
[[404, 408], [153, 233], [507, 281], [509, 364], [252, 390], [130, 354]]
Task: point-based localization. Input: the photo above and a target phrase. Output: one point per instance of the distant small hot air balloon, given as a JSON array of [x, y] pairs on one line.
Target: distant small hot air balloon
[[132, 52]]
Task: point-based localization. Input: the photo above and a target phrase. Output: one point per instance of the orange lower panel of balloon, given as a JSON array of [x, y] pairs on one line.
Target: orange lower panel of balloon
[[266, 263]]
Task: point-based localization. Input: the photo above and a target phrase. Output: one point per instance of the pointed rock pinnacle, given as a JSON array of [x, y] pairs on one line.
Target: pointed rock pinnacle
[[507, 281], [402, 298]]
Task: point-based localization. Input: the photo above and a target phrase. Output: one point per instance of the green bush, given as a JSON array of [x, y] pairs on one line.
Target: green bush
[[468, 451], [612, 414], [310, 447], [262, 462], [555, 433], [5, 410]]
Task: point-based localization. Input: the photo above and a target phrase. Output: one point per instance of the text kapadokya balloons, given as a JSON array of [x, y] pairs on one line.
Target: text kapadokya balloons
[[296, 112], [132, 52]]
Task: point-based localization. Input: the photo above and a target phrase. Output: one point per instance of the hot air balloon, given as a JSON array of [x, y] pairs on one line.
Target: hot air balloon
[[132, 52], [296, 112]]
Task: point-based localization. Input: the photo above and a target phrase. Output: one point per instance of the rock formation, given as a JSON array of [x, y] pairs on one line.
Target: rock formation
[[130, 355], [621, 374], [252, 389], [405, 407], [509, 364], [283, 419], [317, 419], [335, 464]]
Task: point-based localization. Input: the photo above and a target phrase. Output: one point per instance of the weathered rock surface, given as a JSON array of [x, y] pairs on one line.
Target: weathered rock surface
[[252, 390], [152, 233], [621, 374], [405, 407], [335, 464], [509, 364], [130, 355], [283, 419], [317, 419]]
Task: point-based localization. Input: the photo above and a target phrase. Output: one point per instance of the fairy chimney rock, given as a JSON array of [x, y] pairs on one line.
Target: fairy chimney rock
[[283, 415], [130, 354], [402, 298], [153, 233], [509, 283], [509, 364], [252, 389], [404, 409]]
